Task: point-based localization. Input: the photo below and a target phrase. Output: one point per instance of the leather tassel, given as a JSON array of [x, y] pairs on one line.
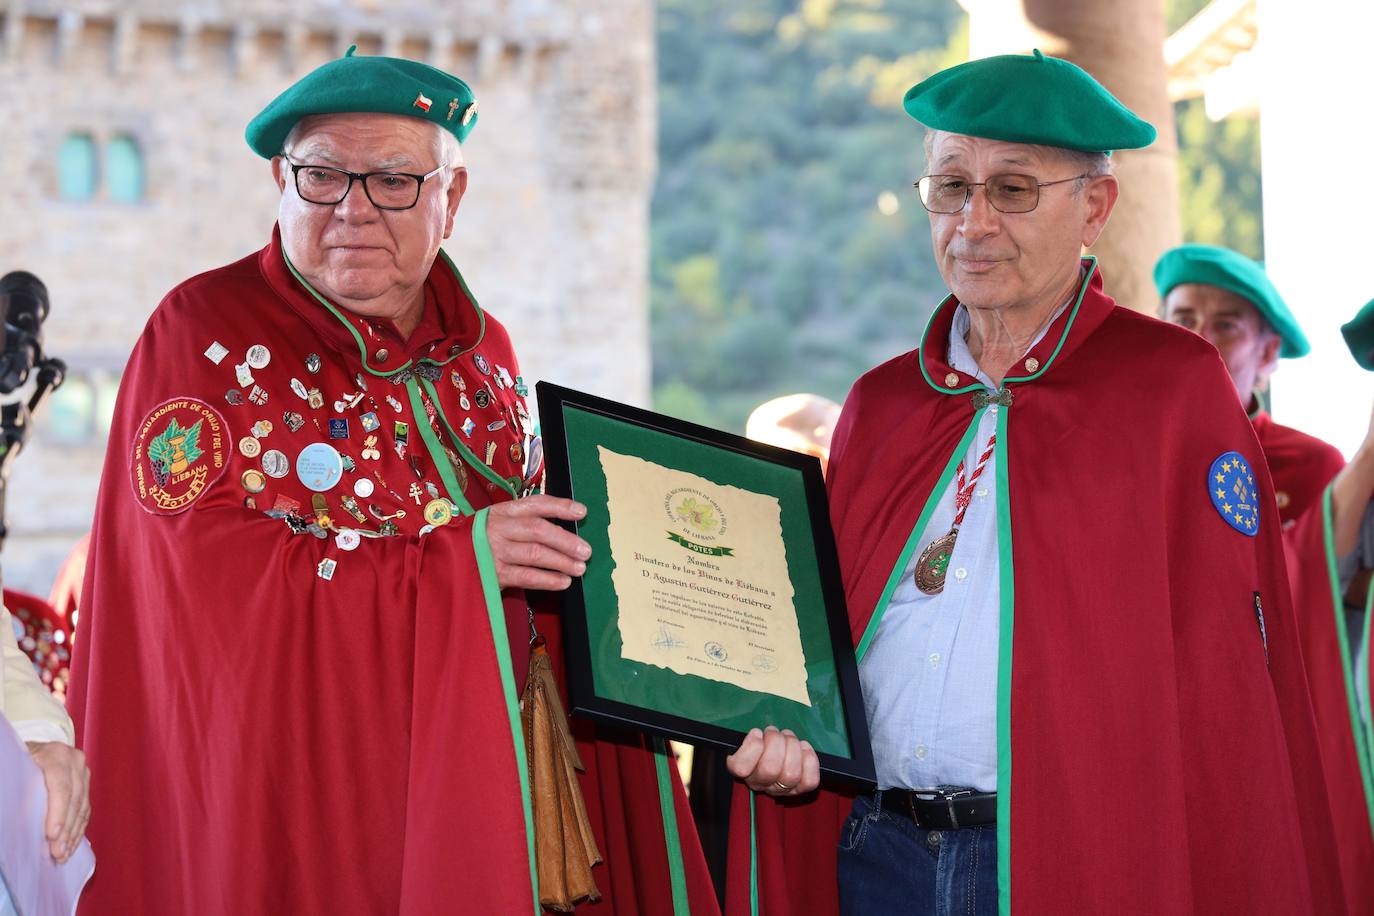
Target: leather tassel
[[565, 849]]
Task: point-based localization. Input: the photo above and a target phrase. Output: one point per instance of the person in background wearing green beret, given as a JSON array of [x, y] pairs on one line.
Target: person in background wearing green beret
[[1064, 577], [1229, 301], [306, 615]]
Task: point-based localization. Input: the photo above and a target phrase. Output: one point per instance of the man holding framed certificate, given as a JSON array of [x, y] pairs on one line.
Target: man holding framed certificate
[[1063, 568]]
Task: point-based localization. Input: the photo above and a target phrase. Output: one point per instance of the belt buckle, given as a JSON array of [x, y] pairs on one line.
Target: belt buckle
[[938, 795]]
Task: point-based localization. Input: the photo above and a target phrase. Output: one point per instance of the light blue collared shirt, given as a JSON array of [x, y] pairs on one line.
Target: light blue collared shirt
[[930, 674]]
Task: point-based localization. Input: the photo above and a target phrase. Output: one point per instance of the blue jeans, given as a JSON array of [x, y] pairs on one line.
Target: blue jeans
[[889, 866]]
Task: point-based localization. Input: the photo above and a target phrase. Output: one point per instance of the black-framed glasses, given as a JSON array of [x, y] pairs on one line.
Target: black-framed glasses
[[1006, 193], [323, 184]]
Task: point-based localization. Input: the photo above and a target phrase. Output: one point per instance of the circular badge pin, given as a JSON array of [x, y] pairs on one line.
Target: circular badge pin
[[312, 363], [233, 397], [481, 363], [1232, 490], [259, 356], [363, 487], [347, 539], [438, 512], [179, 450], [275, 464], [253, 481], [319, 466], [249, 447]]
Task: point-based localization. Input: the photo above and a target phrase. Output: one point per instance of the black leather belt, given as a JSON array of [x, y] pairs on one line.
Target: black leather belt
[[942, 809]]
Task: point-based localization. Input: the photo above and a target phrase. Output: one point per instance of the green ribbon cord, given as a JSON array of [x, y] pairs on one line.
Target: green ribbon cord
[[1007, 586], [1360, 735], [914, 538], [496, 618], [677, 872]]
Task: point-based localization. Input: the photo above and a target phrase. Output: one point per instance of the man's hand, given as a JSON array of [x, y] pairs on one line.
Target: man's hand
[[68, 782], [1350, 493], [531, 551], [776, 762]]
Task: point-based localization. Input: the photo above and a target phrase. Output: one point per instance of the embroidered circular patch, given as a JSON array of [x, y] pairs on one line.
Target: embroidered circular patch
[[179, 450], [1231, 485]]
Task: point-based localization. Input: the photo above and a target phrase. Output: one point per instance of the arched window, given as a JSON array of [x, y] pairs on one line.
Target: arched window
[[70, 411], [124, 169], [76, 167]]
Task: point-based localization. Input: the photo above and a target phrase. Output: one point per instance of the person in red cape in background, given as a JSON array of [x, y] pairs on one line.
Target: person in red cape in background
[[65, 596], [1230, 302], [1228, 299], [1064, 574], [1330, 562], [304, 623]]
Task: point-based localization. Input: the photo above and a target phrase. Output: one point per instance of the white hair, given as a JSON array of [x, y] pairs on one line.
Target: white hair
[[446, 147]]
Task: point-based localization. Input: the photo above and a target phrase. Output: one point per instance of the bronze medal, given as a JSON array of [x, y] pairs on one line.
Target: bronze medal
[[934, 563]]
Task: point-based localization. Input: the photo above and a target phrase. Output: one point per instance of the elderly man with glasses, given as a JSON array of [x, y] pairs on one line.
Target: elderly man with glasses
[[305, 623], [1064, 576]]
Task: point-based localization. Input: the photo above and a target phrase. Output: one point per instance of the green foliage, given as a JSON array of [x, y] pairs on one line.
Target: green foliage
[[1219, 179], [175, 439], [1218, 166], [773, 269], [1178, 12]]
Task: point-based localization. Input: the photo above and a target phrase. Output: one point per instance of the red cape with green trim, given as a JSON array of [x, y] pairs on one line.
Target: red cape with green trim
[[279, 722], [1301, 465], [1346, 753], [1151, 758]]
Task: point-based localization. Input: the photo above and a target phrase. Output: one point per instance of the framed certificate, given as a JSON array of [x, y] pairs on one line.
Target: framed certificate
[[712, 602]]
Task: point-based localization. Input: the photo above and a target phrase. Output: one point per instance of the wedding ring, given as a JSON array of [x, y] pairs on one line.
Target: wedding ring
[[778, 784]]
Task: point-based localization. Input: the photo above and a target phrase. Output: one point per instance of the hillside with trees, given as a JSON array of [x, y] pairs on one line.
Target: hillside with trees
[[790, 252]]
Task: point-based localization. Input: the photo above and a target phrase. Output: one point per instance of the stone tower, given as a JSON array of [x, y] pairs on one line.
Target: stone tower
[[125, 171]]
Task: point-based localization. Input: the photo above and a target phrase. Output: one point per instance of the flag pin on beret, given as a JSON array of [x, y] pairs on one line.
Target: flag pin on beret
[[363, 84], [1027, 98]]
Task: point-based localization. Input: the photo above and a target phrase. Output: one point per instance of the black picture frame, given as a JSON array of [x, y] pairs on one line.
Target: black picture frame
[[856, 767]]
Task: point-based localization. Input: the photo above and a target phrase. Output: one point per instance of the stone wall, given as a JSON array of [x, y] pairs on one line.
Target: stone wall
[[552, 236]]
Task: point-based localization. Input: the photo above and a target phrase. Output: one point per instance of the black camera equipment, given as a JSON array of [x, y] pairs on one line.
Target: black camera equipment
[[24, 306]]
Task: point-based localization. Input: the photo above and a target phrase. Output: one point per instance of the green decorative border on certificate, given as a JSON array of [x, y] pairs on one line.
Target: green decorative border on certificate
[[607, 686]]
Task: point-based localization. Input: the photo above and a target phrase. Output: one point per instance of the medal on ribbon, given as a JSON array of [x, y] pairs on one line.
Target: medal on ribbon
[[933, 563]]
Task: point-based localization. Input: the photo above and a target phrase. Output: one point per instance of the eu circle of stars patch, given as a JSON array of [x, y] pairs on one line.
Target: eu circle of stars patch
[[1231, 485]]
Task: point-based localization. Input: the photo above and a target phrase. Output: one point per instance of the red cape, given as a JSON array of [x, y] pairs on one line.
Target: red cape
[[1151, 759], [1345, 746], [1301, 465], [275, 723]]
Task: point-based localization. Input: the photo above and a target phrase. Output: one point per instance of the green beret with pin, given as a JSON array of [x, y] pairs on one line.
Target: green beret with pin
[[1211, 265], [351, 84], [1359, 336], [1027, 98]]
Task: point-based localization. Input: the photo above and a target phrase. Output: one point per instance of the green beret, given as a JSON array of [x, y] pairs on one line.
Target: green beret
[[1027, 98], [386, 85], [1229, 270], [1359, 336]]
